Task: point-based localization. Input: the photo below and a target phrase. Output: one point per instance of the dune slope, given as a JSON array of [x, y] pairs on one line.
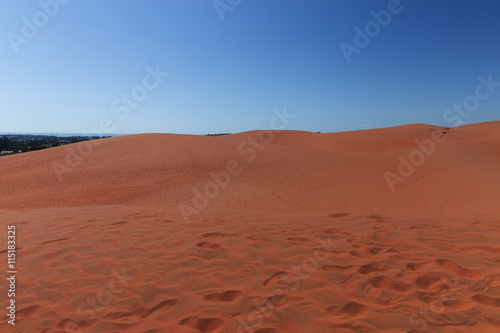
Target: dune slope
[[294, 172], [387, 230]]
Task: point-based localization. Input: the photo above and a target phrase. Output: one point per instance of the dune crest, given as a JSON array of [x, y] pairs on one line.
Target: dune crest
[[341, 170]]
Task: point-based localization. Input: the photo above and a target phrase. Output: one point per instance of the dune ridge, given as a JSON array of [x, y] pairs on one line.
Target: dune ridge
[[343, 170]]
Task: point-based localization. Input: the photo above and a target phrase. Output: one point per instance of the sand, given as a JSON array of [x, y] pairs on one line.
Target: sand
[[264, 232]]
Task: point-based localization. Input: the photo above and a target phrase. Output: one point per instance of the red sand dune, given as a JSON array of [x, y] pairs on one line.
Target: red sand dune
[[262, 232]]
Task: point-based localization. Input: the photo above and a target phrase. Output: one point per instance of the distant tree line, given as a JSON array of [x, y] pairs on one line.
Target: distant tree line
[[25, 143], [218, 134], [4, 143]]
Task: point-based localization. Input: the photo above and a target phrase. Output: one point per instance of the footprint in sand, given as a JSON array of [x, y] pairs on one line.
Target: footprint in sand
[[297, 239], [55, 240], [372, 267], [164, 221], [204, 325], [416, 266], [117, 223], [165, 305], [377, 218], [457, 269], [227, 296], [257, 238], [279, 301], [280, 273], [208, 245], [29, 310], [425, 281], [65, 323], [122, 317], [487, 300], [352, 309], [217, 235], [133, 316]]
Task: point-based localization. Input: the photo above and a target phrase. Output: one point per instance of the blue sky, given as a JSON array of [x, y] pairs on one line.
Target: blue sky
[[71, 74]]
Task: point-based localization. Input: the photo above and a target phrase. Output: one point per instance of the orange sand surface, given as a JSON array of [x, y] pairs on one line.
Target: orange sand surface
[[260, 232]]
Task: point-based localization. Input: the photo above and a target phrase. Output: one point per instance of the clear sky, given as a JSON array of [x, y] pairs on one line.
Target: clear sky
[[73, 66]]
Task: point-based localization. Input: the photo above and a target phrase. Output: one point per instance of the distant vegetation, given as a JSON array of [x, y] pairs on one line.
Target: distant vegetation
[[218, 134], [20, 143]]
